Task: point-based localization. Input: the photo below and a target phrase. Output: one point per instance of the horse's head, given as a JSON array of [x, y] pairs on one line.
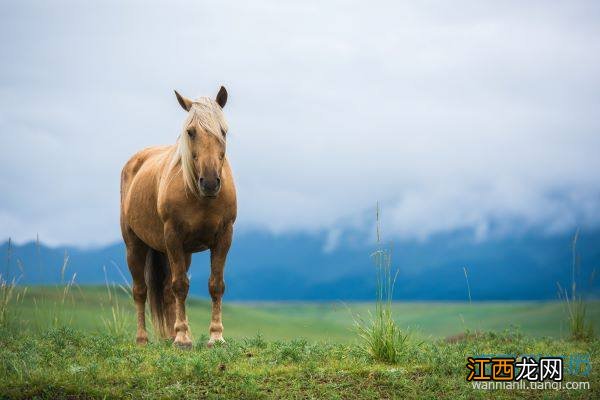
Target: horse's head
[[202, 143]]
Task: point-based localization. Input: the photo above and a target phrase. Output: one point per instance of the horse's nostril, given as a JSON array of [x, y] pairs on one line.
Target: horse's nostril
[[201, 181], [218, 182]]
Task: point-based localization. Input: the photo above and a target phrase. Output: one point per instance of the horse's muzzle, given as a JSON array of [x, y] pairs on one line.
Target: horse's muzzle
[[210, 187]]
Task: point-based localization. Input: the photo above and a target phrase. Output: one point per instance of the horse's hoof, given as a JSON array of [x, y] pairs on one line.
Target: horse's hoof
[[183, 345], [142, 341], [212, 342]]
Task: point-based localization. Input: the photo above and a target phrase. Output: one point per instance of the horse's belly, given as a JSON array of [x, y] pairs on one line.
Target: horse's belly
[[196, 248], [153, 237]]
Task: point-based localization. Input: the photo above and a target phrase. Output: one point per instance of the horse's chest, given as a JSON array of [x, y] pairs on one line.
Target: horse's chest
[[201, 232]]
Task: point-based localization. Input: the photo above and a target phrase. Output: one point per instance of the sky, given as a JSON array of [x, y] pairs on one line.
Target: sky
[[468, 115]]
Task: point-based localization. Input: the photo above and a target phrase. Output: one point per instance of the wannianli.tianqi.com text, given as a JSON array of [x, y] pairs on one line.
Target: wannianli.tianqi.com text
[[524, 385]]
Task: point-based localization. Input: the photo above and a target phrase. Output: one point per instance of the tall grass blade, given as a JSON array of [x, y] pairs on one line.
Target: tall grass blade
[[576, 307], [381, 337]]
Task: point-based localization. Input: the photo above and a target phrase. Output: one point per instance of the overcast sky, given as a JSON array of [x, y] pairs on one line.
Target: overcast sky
[[477, 115]]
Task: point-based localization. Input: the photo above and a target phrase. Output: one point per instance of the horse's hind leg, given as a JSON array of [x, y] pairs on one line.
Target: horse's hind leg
[[136, 260], [169, 299]]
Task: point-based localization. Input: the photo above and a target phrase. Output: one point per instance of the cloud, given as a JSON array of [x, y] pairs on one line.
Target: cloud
[[470, 115]]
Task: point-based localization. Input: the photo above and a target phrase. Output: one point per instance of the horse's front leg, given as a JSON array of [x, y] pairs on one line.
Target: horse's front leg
[[216, 284], [180, 285]]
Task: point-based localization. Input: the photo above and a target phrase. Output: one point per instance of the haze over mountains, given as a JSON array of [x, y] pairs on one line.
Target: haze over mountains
[[264, 266]]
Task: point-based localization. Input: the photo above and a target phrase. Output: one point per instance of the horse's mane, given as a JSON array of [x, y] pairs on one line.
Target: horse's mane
[[209, 115]]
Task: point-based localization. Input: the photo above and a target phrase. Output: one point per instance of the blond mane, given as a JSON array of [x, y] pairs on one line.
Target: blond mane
[[209, 115]]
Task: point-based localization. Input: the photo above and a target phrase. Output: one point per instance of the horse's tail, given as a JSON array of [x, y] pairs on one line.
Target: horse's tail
[[157, 274]]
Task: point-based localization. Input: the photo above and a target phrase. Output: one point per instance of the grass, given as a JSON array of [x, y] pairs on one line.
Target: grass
[[274, 350], [87, 307], [579, 326], [10, 294], [71, 342], [116, 322], [68, 363], [250, 368], [381, 336]]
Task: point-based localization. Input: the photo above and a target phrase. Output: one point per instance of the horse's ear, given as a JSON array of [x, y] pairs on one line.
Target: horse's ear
[[222, 97], [185, 103]]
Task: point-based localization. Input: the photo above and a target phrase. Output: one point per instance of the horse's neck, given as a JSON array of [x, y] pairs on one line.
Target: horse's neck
[[165, 167]]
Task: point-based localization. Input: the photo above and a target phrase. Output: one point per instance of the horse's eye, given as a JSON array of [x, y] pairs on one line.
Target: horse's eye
[[191, 132], [194, 156], [221, 156]]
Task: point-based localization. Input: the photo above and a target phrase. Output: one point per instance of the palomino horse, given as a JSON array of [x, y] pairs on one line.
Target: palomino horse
[[177, 200]]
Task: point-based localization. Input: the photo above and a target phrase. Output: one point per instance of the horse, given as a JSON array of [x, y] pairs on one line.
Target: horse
[[177, 200]]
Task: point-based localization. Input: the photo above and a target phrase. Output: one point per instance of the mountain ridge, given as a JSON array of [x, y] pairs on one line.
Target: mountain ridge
[[264, 266]]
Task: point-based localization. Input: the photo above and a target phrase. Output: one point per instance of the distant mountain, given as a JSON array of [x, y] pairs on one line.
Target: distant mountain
[[262, 266]]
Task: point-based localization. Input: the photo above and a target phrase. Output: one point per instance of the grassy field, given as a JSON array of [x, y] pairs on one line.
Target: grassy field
[[86, 309], [80, 345]]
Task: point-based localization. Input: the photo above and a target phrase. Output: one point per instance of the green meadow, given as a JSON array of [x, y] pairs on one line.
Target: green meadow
[[91, 308], [76, 342]]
